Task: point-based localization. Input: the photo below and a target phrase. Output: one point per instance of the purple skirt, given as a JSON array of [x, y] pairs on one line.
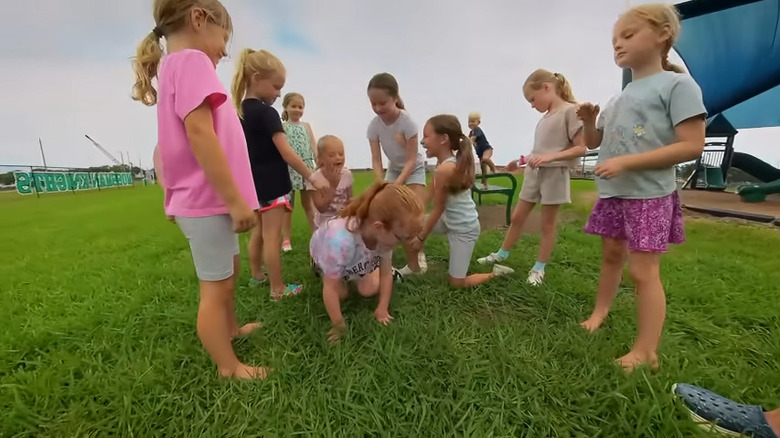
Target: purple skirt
[[648, 225]]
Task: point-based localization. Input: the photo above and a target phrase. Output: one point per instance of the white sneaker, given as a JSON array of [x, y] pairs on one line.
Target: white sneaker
[[499, 270], [535, 277], [407, 271], [490, 259]]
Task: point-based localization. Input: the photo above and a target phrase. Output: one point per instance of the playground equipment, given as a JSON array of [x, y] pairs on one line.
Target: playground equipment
[[730, 48]]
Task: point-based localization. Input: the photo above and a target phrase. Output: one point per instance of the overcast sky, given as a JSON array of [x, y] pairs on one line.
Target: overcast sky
[[66, 69]]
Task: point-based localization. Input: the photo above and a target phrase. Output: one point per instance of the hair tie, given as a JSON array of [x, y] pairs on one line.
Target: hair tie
[[157, 32]]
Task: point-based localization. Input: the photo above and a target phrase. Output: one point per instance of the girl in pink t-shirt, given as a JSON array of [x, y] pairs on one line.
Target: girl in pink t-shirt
[[358, 246], [202, 153], [329, 202]]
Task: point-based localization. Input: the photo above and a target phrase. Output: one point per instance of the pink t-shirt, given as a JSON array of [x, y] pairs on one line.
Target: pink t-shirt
[[187, 79], [340, 199], [341, 253]]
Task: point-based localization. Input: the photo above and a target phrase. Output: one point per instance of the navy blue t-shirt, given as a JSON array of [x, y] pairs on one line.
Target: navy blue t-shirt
[[482, 142], [269, 170]]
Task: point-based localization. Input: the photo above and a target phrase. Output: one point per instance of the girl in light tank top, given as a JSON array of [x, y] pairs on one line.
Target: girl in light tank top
[[454, 212], [557, 141]]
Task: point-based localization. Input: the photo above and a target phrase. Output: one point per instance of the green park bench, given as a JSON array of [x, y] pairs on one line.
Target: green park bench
[[492, 189]]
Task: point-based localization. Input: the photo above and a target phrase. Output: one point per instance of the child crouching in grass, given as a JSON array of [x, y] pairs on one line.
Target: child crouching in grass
[[357, 247]]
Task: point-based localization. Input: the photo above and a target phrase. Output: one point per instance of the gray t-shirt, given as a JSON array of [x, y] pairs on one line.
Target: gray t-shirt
[[555, 133], [387, 136], [640, 119]]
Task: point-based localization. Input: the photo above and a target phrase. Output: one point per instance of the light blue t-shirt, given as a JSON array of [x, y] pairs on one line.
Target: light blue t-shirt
[[640, 119], [387, 135], [460, 212]]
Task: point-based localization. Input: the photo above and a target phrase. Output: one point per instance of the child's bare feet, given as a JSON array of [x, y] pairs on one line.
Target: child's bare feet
[[594, 322], [245, 372], [636, 358], [246, 329], [336, 332]]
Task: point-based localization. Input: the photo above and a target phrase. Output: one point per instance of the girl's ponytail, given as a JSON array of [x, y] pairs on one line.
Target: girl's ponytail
[[385, 202], [238, 87], [399, 103], [145, 64], [285, 116], [464, 165], [358, 207], [563, 88]]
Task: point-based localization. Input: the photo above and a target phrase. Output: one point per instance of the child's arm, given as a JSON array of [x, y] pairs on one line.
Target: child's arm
[[312, 140], [322, 198], [199, 126], [331, 286], [158, 165], [410, 148], [592, 135], [382, 313], [376, 159], [443, 174]]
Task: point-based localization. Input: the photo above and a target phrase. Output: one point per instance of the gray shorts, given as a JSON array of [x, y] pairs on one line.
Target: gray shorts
[[461, 247], [213, 245], [416, 177], [546, 186]]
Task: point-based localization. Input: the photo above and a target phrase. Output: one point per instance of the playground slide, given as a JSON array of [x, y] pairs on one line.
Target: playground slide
[[762, 171]]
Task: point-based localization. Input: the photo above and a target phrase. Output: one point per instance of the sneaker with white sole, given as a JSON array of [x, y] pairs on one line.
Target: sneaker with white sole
[[499, 270], [407, 271], [490, 259], [422, 261], [535, 277]]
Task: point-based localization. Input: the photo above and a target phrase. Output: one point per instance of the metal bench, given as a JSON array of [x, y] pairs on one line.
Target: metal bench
[[497, 190]]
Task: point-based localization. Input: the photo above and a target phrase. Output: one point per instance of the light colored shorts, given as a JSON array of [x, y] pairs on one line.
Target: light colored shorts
[[416, 177], [546, 186], [213, 244], [461, 247]]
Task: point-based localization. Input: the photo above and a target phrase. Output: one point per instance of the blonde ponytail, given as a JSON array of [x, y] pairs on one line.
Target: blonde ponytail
[[238, 87], [145, 64], [563, 88]]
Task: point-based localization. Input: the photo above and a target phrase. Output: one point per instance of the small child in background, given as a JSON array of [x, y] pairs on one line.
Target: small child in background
[[482, 146], [203, 156], [454, 212], [259, 79], [656, 122], [329, 202], [357, 247], [557, 141], [301, 139]]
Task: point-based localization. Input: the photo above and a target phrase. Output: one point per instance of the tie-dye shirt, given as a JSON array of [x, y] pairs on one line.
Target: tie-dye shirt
[[340, 253]]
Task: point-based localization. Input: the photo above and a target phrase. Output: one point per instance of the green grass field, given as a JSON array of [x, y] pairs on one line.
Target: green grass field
[[98, 300]]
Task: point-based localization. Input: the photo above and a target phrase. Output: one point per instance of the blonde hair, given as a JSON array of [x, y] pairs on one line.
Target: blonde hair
[[386, 202], [326, 140], [170, 16], [463, 178], [287, 100], [541, 76], [661, 17], [251, 62], [474, 115]]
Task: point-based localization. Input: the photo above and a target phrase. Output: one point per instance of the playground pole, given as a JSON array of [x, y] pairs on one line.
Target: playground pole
[[43, 157]]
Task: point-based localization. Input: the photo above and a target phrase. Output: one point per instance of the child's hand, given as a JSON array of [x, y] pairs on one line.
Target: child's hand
[[611, 168], [172, 219], [538, 160], [383, 316], [336, 332], [319, 182], [332, 174], [512, 166], [415, 244], [587, 112], [244, 219]]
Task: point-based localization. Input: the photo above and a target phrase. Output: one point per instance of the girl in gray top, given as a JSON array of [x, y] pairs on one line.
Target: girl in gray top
[[394, 132], [654, 124]]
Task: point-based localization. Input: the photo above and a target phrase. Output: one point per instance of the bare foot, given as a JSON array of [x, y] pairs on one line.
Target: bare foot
[[245, 372], [246, 329], [336, 332], [635, 358], [593, 323]]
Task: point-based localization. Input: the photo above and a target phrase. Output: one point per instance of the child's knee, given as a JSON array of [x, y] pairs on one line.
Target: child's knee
[[548, 229], [644, 273], [614, 255]]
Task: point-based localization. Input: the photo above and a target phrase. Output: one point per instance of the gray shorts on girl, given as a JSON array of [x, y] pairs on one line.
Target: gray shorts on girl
[[213, 245], [461, 247], [416, 177]]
